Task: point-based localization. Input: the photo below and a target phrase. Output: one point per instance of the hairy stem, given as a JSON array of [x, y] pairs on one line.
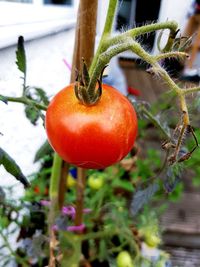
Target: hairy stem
[[171, 54], [190, 90], [155, 122], [106, 32], [170, 25], [104, 59], [112, 46]]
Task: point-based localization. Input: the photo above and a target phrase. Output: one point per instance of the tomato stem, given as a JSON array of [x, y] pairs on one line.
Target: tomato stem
[[112, 46], [106, 32]]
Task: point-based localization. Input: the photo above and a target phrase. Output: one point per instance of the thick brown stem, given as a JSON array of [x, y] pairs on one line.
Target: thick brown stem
[[62, 184], [85, 34], [81, 180], [84, 48]]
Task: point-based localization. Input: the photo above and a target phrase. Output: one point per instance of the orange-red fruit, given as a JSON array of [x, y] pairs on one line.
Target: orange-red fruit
[[91, 136]]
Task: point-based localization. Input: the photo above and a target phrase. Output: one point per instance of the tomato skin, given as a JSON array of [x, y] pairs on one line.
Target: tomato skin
[[91, 136]]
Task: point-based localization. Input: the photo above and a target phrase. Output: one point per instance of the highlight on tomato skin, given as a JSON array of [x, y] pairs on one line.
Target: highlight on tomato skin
[[91, 137]]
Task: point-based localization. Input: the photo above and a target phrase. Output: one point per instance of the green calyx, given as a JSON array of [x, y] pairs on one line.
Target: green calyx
[[85, 96]]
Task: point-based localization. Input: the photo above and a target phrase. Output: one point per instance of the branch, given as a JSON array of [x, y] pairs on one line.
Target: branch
[[24, 100], [106, 32], [171, 54], [171, 25], [190, 90]]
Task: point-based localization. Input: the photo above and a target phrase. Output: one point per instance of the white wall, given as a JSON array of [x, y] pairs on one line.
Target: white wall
[[45, 69]]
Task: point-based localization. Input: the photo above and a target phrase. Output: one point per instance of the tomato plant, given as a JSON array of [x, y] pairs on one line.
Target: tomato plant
[[94, 136]]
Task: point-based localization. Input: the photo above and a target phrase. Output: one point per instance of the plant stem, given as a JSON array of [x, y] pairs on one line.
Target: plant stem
[[190, 90], [171, 54], [171, 25], [106, 32], [25, 100], [81, 180], [54, 180], [104, 59], [62, 183], [85, 35], [54, 207], [157, 69], [155, 122], [112, 46], [17, 257]]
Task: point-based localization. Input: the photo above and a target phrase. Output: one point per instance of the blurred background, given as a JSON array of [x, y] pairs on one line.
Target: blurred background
[[48, 27]]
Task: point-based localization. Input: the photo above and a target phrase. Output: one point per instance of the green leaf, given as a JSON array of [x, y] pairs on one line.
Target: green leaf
[[32, 114], [11, 166], [173, 177], [103, 250], [21, 55], [2, 195], [126, 185], [142, 197], [3, 99], [42, 95], [44, 150]]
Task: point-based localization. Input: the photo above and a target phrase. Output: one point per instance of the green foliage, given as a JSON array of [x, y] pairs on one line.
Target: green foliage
[[37, 95], [21, 59], [43, 151], [21, 55], [32, 114], [11, 166], [3, 99], [142, 197]]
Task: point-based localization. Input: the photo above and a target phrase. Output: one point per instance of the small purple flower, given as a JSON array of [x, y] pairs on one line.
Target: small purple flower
[[45, 203], [54, 227], [74, 228], [69, 210], [87, 210]]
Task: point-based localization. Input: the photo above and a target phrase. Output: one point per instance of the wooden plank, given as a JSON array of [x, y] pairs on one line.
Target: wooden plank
[[150, 86], [184, 216], [182, 257]]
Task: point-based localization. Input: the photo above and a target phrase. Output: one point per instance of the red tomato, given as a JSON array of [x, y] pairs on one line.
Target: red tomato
[[91, 136]]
